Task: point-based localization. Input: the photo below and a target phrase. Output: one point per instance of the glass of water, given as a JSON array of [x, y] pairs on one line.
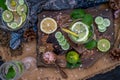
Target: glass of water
[[12, 70]]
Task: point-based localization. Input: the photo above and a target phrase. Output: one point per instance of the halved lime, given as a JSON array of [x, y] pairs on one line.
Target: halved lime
[[21, 2], [63, 43], [7, 16], [106, 22], [103, 45], [66, 47], [58, 35], [72, 57], [81, 29], [99, 20], [22, 9], [12, 25], [61, 39]]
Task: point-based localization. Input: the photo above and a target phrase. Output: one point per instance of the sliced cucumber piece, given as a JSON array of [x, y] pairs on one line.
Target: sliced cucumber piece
[[102, 30], [22, 9], [7, 16], [58, 35], [61, 39], [12, 25], [106, 22], [21, 2], [99, 20], [63, 43], [66, 47]]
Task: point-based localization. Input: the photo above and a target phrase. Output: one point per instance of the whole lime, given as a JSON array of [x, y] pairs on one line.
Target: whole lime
[[72, 57]]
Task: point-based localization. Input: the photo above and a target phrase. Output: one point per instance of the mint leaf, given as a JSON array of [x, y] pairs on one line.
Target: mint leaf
[[11, 73]]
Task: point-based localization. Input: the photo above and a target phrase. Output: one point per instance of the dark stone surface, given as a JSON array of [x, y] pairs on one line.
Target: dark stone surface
[[111, 75]]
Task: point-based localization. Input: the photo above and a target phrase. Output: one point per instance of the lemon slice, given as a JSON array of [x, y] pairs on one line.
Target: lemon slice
[[81, 29], [48, 25], [103, 45]]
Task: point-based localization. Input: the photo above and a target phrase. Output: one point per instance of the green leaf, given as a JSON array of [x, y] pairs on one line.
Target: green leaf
[[77, 13], [91, 44], [2, 4], [88, 19], [11, 73], [69, 65]]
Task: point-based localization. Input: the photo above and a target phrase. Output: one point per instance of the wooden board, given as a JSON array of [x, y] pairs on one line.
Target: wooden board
[[63, 19]]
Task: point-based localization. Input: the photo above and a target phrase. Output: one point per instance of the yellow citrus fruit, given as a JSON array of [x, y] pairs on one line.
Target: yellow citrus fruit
[[48, 25]]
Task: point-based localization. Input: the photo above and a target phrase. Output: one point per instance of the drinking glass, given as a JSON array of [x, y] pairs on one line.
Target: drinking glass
[[12, 70]]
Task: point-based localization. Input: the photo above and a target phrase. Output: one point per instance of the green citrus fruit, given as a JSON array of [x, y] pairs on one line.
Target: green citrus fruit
[[103, 45], [72, 57]]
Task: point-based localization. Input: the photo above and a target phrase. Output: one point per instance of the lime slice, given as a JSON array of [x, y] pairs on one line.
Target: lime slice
[[21, 2], [12, 4], [91, 44], [66, 47], [106, 22], [7, 16], [61, 39], [99, 20], [12, 25], [21, 9], [20, 66], [23, 17], [103, 45], [58, 35], [81, 29], [72, 57], [63, 43]]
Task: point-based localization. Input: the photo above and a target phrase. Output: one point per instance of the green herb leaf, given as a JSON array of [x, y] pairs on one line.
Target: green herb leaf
[[11, 73], [2, 4], [88, 19], [69, 65], [78, 13], [91, 44]]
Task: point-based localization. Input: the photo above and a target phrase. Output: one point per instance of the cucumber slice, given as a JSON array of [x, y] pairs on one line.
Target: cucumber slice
[[106, 22], [66, 47], [7, 16], [101, 27], [99, 20], [58, 35], [61, 39], [102, 30], [21, 2], [12, 25], [22, 9], [63, 43]]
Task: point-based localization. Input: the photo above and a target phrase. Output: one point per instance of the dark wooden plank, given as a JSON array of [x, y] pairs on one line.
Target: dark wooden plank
[[63, 19]]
